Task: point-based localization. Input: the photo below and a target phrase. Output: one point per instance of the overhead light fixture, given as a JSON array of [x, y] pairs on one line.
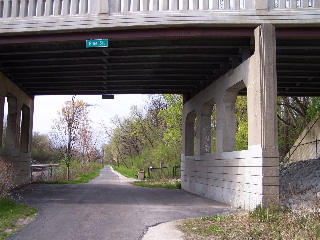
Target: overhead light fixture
[[107, 96]]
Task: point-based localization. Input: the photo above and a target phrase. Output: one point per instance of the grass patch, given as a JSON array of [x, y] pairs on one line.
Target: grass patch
[[151, 183], [14, 216], [127, 172], [262, 223], [84, 178], [163, 183]]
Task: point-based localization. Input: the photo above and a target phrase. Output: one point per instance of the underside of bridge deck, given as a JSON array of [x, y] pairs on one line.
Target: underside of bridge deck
[[173, 60], [209, 66]]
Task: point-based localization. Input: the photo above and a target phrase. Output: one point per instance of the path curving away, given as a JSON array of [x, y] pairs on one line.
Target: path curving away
[[107, 208]]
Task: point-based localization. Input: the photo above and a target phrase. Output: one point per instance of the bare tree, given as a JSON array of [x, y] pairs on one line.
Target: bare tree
[[71, 132]]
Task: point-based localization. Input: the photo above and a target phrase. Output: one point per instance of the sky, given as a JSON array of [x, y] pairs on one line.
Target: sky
[[46, 109]]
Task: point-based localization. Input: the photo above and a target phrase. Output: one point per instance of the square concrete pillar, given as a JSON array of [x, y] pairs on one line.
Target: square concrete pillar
[[226, 122], [25, 127], [204, 129], [12, 126], [188, 134], [262, 91], [2, 99], [262, 109]]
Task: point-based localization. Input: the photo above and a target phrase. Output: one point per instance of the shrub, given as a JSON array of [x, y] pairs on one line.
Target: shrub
[[8, 176]]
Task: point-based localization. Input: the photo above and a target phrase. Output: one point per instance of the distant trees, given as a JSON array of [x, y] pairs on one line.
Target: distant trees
[[42, 149], [152, 135], [149, 136]]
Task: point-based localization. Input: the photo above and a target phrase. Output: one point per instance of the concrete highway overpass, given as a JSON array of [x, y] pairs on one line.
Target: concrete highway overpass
[[210, 51]]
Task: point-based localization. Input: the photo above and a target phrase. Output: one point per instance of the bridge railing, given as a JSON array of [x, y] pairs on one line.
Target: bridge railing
[[293, 4], [177, 5], [38, 8]]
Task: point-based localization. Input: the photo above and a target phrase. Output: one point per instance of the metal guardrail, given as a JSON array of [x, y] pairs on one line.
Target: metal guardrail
[[163, 172], [42, 172]]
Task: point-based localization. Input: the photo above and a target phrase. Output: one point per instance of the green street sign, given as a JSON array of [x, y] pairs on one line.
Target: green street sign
[[97, 43]]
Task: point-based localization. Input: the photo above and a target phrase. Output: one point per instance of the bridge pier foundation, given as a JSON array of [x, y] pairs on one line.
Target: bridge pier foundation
[[245, 178], [16, 132]]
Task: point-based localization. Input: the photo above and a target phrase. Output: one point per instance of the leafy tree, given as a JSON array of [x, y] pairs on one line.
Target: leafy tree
[[172, 139], [148, 136], [153, 134], [42, 149], [242, 123], [294, 113]]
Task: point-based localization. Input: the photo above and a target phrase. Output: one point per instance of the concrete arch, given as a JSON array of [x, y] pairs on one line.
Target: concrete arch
[[227, 118]]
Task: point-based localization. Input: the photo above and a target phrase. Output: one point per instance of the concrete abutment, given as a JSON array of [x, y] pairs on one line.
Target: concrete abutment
[[239, 178], [16, 132]]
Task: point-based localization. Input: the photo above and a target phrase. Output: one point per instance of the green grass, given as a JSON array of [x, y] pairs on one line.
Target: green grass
[[84, 178], [164, 183], [262, 223], [10, 213], [127, 172]]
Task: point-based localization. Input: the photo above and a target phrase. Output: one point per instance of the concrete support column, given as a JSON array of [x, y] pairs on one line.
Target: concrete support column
[[25, 129], [188, 134], [2, 99], [204, 130], [12, 120], [262, 91], [226, 122], [262, 110]]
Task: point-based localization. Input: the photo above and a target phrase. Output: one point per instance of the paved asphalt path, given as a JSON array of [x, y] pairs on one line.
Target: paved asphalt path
[[109, 207]]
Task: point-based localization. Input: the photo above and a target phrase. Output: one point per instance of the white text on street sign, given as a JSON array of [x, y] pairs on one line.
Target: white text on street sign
[[97, 43]]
